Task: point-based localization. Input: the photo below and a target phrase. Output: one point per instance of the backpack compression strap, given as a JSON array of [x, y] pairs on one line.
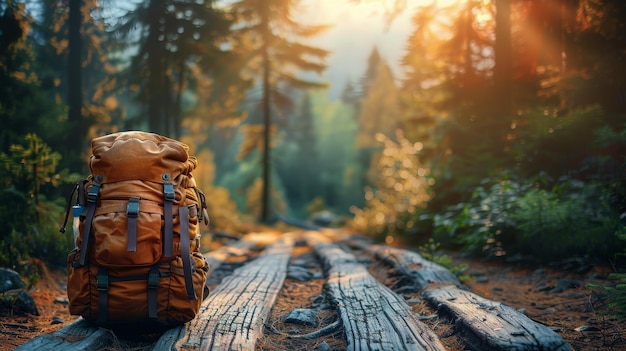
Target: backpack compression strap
[[132, 212], [168, 229], [103, 279], [92, 197], [183, 216]]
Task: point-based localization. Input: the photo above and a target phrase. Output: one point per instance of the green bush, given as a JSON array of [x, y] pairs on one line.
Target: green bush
[[400, 189], [430, 251], [574, 219], [30, 220], [483, 224]]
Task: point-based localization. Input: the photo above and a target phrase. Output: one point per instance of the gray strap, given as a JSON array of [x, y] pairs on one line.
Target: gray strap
[[153, 285], [132, 212], [102, 284], [169, 196], [92, 197], [183, 213]]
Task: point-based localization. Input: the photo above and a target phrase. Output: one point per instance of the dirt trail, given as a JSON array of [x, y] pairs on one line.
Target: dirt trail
[[557, 297]]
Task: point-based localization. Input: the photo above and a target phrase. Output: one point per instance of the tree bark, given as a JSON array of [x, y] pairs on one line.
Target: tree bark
[[374, 317], [74, 71]]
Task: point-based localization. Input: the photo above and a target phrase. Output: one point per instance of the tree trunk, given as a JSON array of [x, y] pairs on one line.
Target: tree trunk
[[154, 86], [265, 206], [74, 72], [502, 73]]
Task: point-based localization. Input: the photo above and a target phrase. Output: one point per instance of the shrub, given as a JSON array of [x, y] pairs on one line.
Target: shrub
[[30, 219], [483, 224], [575, 219], [400, 188]]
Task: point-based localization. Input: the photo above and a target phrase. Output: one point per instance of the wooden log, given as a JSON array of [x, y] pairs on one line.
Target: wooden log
[[374, 317], [414, 267], [242, 247], [232, 317], [79, 335], [486, 325]]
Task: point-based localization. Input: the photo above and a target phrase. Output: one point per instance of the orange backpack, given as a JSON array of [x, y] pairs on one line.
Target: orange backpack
[[137, 248]]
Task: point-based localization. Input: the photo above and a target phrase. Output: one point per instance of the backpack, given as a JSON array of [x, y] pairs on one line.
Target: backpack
[[137, 254]]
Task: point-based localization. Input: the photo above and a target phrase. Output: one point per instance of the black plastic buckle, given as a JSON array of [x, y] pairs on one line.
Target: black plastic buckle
[[153, 280], [102, 282], [132, 209]]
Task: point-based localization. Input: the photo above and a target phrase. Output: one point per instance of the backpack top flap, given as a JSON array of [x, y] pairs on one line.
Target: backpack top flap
[[138, 155]]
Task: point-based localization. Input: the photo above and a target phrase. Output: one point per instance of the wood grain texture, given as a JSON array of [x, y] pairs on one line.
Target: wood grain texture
[[374, 317], [232, 317], [486, 325], [79, 335], [412, 265]]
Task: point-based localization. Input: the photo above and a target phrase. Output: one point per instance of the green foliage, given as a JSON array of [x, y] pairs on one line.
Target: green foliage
[[430, 251], [617, 296], [401, 188], [480, 223], [30, 220], [617, 293], [573, 218]]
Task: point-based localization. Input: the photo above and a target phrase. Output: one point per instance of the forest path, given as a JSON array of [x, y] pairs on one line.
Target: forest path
[[326, 290]]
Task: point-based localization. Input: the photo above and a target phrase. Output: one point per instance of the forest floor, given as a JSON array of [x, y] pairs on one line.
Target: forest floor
[[556, 295]]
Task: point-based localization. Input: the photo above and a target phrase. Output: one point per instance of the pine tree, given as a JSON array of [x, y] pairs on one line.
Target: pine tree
[[380, 107], [172, 37], [276, 58]]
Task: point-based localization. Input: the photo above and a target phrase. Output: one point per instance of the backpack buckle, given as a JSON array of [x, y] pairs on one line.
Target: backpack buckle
[[132, 209], [168, 189], [102, 282]]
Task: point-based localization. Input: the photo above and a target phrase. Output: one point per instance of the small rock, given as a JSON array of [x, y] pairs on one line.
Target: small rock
[[565, 284], [413, 301], [19, 302], [317, 275], [301, 316], [62, 301], [57, 320], [543, 288], [482, 279], [522, 311], [587, 328], [323, 346], [324, 218], [10, 280], [298, 273]]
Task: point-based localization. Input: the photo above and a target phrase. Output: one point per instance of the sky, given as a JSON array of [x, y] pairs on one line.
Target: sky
[[357, 28]]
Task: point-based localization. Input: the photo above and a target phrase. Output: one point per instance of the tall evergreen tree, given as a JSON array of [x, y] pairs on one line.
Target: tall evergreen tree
[[298, 169], [380, 106], [171, 37], [74, 75], [276, 58]]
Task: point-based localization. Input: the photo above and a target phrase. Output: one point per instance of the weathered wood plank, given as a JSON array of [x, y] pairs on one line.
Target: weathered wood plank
[[232, 317], [374, 317], [79, 335], [241, 247], [486, 325], [412, 265]]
